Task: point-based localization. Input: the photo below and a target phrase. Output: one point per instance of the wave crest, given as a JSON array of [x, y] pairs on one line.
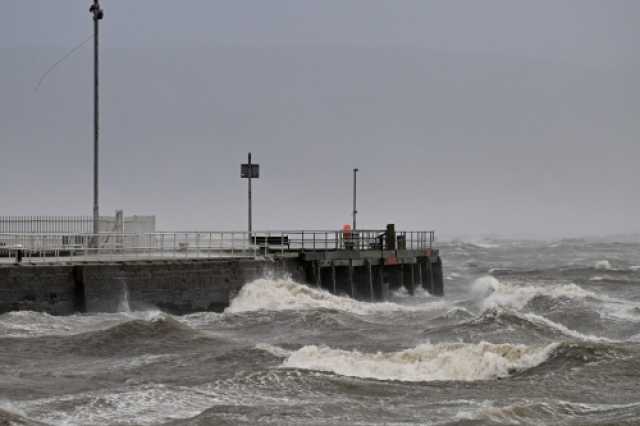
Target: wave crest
[[286, 294], [426, 362]]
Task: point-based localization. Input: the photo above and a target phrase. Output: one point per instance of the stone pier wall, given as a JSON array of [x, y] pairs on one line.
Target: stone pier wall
[[174, 286]]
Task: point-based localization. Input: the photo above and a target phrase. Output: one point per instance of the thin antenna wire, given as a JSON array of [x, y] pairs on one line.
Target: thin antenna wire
[[69, 53]]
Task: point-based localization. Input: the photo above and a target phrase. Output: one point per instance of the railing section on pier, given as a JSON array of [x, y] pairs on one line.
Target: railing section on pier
[[34, 247]]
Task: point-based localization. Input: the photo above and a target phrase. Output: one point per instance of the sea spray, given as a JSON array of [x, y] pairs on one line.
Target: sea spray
[[123, 305]]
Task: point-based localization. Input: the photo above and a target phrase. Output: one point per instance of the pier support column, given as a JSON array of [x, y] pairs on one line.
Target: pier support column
[[352, 287], [407, 279], [318, 276], [427, 282], [413, 275], [379, 282], [438, 279], [334, 285]]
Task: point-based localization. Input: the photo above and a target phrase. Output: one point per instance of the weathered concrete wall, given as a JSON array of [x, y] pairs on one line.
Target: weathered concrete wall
[[176, 287], [173, 286], [183, 286], [37, 288]]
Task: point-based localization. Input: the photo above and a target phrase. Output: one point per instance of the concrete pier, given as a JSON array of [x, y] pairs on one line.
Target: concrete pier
[[350, 265]]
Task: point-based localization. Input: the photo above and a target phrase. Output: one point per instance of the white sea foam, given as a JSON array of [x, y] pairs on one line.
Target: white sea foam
[[148, 405], [426, 362], [484, 244], [200, 319], [11, 408], [563, 329], [33, 324], [273, 350], [546, 411], [502, 294], [491, 293], [285, 294], [634, 268], [603, 264]]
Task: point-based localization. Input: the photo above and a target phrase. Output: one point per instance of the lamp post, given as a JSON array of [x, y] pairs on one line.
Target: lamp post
[[355, 211], [98, 14]]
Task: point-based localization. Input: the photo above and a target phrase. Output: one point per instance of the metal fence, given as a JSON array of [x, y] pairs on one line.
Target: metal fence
[[87, 246], [46, 224], [76, 224]]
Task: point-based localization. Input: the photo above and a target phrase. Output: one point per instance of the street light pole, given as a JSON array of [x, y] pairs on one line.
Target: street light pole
[[97, 13], [355, 211], [250, 200]]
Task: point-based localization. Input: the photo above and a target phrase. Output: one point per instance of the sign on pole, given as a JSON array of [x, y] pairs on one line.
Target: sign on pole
[[249, 171], [255, 171]]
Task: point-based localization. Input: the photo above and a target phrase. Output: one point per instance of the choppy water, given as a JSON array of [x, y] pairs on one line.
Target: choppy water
[[529, 333]]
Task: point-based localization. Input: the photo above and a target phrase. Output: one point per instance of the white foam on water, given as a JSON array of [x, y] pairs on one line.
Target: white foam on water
[[634, 268], [200, 319], [484, 244], [11, 408], [543, 411], [426, 362], [603, 265], [563, 329], [23, 324], [145, 405], [285, 294], [273, 350], [502, 294], [491, 293]]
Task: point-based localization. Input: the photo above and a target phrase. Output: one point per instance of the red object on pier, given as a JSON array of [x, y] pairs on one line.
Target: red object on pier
[[346, 231]]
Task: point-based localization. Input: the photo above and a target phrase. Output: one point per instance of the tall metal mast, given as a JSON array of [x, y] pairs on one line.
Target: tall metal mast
[[250, 200], [355, 211], [97, 13]]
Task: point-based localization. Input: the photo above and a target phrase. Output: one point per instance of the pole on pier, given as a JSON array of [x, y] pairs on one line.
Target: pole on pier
[[355, 211], [250, 171], [250, 201], [98, 14]]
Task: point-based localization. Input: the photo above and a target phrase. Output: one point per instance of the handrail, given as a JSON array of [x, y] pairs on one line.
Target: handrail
[[203, 244]]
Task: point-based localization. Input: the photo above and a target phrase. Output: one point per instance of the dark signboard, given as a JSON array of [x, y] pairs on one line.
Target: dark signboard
[[255, 171]]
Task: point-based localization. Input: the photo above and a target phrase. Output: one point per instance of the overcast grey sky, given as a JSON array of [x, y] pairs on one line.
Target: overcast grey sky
[[470, 117]]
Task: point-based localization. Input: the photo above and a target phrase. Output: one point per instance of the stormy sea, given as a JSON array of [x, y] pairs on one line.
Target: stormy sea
[[529, 333]]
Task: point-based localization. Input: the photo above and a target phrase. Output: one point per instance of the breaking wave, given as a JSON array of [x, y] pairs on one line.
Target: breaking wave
[[491, 293], [494, 293], [603, 265], [286, 294], [529, 321], [426, 362]]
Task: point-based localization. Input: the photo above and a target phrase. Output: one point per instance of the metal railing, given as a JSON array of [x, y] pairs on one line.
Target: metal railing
[[46, 224], [194, 244]]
